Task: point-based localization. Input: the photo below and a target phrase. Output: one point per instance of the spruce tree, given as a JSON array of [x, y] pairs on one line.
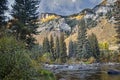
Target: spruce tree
[[94, 46], [117, 21], [25, 14], [3, 8], [71, 49], [74, 49], [87, 51], [46, 45], [83, 47], [63, 54], [81, 38], [51, 42], [57, 48]]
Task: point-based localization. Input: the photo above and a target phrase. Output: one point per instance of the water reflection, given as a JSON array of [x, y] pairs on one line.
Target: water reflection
[[100, 74], [86, 76]]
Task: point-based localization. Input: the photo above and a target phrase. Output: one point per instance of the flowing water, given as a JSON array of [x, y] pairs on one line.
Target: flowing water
[[99, 74]]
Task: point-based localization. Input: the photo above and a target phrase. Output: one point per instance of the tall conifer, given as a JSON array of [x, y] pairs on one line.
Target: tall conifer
[[57, 48], [25, 13], [3, 8], [63, 54], [83, 47], [71, 49], [94, 46], [117, 20]]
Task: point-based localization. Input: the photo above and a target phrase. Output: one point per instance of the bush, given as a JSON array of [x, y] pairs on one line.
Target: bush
[[15, 63], [46, 75]]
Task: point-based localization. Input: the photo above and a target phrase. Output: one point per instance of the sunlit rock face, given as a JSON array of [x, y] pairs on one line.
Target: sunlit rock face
[[111, 2], [89, 13], [104, 7], [53, 22], [101, 9]]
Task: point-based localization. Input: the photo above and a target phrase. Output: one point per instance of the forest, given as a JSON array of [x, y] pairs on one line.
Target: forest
[[22, 58]]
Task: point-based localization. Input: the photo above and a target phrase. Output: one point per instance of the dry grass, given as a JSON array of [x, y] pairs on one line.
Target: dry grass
[[104, 31]]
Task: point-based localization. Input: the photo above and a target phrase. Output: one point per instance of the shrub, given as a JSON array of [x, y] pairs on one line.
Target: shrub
[[15, 63]]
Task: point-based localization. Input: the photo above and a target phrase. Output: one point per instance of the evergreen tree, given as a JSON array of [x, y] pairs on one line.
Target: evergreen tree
[[71, 49], [63, 53], [51, 42], [87, 52], [81, 39], [3, 8], [25, 14], [74, 49], [83, 47], [117, 20], [57, 48], [46, 45], [94, 46]]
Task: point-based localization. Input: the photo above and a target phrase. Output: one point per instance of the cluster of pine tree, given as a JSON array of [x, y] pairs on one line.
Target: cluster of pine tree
[[24, 25], [56, 48], [3, 9], [116, 15], [85, 47]]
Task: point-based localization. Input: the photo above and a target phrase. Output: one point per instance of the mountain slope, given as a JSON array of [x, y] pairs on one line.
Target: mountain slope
[[96, 21], [104, 31]]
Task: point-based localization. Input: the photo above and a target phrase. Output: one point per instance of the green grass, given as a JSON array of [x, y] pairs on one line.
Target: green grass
[[46, 75]]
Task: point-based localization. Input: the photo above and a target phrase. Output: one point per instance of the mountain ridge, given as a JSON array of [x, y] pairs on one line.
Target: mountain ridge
[[67, 24]]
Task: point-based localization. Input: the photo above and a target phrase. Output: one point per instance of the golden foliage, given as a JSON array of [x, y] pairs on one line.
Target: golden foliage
[[91, 60], [48, 18], [78, 17], [104, 45]]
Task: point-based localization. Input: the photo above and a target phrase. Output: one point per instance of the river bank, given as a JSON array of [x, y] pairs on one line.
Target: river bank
[[82, 71]]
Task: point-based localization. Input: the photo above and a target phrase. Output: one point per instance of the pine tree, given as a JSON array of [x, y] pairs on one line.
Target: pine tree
[[74, 49], [57, 48], [3, 8], [25, 14], [51, 42], [81, 39], [117, 20], [94, 46], [46, 45], [87, 51], [83, 47], [63, 54], [71, 49]]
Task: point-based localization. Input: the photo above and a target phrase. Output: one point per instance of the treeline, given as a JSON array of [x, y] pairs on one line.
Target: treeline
[[18, 49], [56, 47], [86, 48]]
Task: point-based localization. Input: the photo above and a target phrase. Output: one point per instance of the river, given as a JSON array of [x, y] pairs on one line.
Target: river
[[94, 74]]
